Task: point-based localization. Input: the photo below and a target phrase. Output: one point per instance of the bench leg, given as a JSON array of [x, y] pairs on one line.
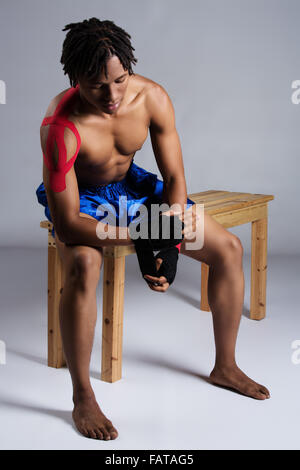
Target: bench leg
[[55, 281], [112, 323], [258, 269], [204, 305]]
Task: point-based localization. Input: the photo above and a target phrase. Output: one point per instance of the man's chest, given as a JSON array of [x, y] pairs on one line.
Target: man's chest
[[119, 137]]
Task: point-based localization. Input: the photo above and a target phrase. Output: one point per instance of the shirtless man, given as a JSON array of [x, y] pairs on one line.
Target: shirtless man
[[109, 138]]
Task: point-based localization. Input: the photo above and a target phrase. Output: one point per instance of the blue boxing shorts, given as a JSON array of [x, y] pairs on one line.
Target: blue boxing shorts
[[105, 201]]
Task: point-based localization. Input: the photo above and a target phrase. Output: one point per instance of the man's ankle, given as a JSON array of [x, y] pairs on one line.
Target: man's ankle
[[222, 365], [82, 394]]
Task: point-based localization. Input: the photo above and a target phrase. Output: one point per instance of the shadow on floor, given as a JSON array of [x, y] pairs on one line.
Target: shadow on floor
[[158, 362], [28, 356], [133, 357], [246, 312], [61, 414]]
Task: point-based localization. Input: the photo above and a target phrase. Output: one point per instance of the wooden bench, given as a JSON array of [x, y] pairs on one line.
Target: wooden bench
[[228, 208]]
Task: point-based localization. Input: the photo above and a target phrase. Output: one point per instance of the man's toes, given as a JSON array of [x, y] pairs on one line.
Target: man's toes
[[259, 395], [92, 434], [113, 432], [106, 435], [262, 396], [264, 390], [83, 431], [99, 434]]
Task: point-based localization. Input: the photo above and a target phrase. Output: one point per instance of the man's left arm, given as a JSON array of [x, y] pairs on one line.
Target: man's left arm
[[167, 151], [166, 146]]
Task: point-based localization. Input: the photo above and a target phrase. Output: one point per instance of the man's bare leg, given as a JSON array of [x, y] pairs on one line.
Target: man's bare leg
[[223, 252], [78, 314]]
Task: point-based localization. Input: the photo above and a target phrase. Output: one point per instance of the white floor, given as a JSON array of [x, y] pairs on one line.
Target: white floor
[[163, 400]]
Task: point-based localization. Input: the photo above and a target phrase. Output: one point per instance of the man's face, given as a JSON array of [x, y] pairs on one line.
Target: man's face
[[104, 92]]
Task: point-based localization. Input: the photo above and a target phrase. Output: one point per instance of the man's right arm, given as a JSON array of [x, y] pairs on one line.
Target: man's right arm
[[71, 228]]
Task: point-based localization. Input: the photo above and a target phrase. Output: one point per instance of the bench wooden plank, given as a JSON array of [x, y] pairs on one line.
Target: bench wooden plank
[[258, 269], [219, 201], [241, 216], [228, 206], [46, 224], [112, 321], [55, 285], [215, 202]]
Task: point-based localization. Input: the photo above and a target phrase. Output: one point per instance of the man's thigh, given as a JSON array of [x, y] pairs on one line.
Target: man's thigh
[[216, 239]]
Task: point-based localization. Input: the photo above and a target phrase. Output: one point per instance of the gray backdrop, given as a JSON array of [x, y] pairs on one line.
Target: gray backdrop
[[228, 66]]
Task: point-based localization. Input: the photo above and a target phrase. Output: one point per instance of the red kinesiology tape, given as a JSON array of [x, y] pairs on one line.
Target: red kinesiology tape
[[57, 124], [58, 171]]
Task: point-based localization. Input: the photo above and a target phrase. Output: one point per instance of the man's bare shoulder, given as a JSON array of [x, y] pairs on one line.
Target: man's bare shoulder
[[157, 100], [54, 102], [69, 137], [149, 87]]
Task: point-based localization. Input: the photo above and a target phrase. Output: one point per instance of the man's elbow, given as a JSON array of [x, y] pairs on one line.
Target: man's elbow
[[65, 231], [63, 235]]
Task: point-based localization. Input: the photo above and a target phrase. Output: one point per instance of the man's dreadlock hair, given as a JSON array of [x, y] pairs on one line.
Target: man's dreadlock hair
[[89, 44]]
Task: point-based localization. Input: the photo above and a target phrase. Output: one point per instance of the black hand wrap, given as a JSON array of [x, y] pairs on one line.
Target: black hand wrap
[[168, 267], [145, 246]]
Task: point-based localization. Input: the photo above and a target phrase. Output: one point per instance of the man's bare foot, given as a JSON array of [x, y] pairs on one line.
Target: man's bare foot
[[234, 378], [90, 420]]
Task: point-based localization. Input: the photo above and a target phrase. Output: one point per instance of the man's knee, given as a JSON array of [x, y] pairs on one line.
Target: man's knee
[[232, 248], [84, 267]]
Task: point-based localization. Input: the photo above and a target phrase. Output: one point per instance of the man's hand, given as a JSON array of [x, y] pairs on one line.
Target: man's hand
[[189, 218], [161, 281]]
